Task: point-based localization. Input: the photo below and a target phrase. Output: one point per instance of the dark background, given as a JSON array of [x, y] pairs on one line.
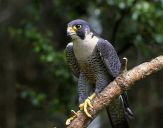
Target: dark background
[[37, 89]]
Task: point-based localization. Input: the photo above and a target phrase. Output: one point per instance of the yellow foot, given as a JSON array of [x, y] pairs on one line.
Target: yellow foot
[[69, 120], [87, 103]]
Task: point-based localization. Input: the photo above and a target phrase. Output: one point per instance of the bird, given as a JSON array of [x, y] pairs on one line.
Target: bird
[[94, 61]]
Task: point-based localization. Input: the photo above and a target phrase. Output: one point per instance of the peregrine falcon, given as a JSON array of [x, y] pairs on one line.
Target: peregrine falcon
[[93, 60]]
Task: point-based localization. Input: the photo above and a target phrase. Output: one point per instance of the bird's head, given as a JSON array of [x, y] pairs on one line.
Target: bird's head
[[79, 29]]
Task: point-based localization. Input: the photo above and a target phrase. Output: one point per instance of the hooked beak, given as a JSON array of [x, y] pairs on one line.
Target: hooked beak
[[70, 31]]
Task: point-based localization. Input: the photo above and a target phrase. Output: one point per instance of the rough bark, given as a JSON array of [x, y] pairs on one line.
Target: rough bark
[[115, 88]]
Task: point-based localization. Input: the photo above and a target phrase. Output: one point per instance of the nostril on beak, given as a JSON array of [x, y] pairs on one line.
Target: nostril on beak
[[70, 31]]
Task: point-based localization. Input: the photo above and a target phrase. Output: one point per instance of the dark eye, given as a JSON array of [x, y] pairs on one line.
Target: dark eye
[[78, 26]]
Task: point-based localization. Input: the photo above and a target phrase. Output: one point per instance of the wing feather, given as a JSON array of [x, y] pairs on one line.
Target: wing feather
[[109, 57], [72, 62]]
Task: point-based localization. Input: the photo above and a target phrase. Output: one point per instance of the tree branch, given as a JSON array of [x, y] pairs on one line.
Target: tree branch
[[114, 89]]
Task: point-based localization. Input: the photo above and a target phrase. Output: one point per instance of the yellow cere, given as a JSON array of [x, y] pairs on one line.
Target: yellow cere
[[74, 27]]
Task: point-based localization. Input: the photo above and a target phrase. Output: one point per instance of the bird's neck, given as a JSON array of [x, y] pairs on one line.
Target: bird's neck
[[84, 48]]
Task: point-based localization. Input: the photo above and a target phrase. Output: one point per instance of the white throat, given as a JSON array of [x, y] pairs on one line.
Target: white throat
[[84, 48]]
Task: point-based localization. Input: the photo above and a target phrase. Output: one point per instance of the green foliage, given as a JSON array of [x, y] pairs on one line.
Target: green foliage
[[147, 15], [122, 4], [37, 99]]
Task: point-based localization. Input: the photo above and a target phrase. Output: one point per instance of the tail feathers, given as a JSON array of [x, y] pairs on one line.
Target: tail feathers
[[117, 115], [119, 111], [128, 111], [118, 123]]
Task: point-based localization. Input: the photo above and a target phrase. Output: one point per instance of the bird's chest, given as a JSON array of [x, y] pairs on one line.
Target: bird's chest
[[89, 59], [83, 49]]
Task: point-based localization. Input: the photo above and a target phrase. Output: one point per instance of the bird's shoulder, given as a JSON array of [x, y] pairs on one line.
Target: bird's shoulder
[[104, 43]]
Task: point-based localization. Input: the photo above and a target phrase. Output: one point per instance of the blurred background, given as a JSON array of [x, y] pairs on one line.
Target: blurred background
[[37, 90]]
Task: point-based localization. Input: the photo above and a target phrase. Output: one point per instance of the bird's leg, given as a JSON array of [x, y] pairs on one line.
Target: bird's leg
[[87, 103], [83, 107], [75, 114], [100, 85], [84, 102], [82, 96], [101, 82]]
